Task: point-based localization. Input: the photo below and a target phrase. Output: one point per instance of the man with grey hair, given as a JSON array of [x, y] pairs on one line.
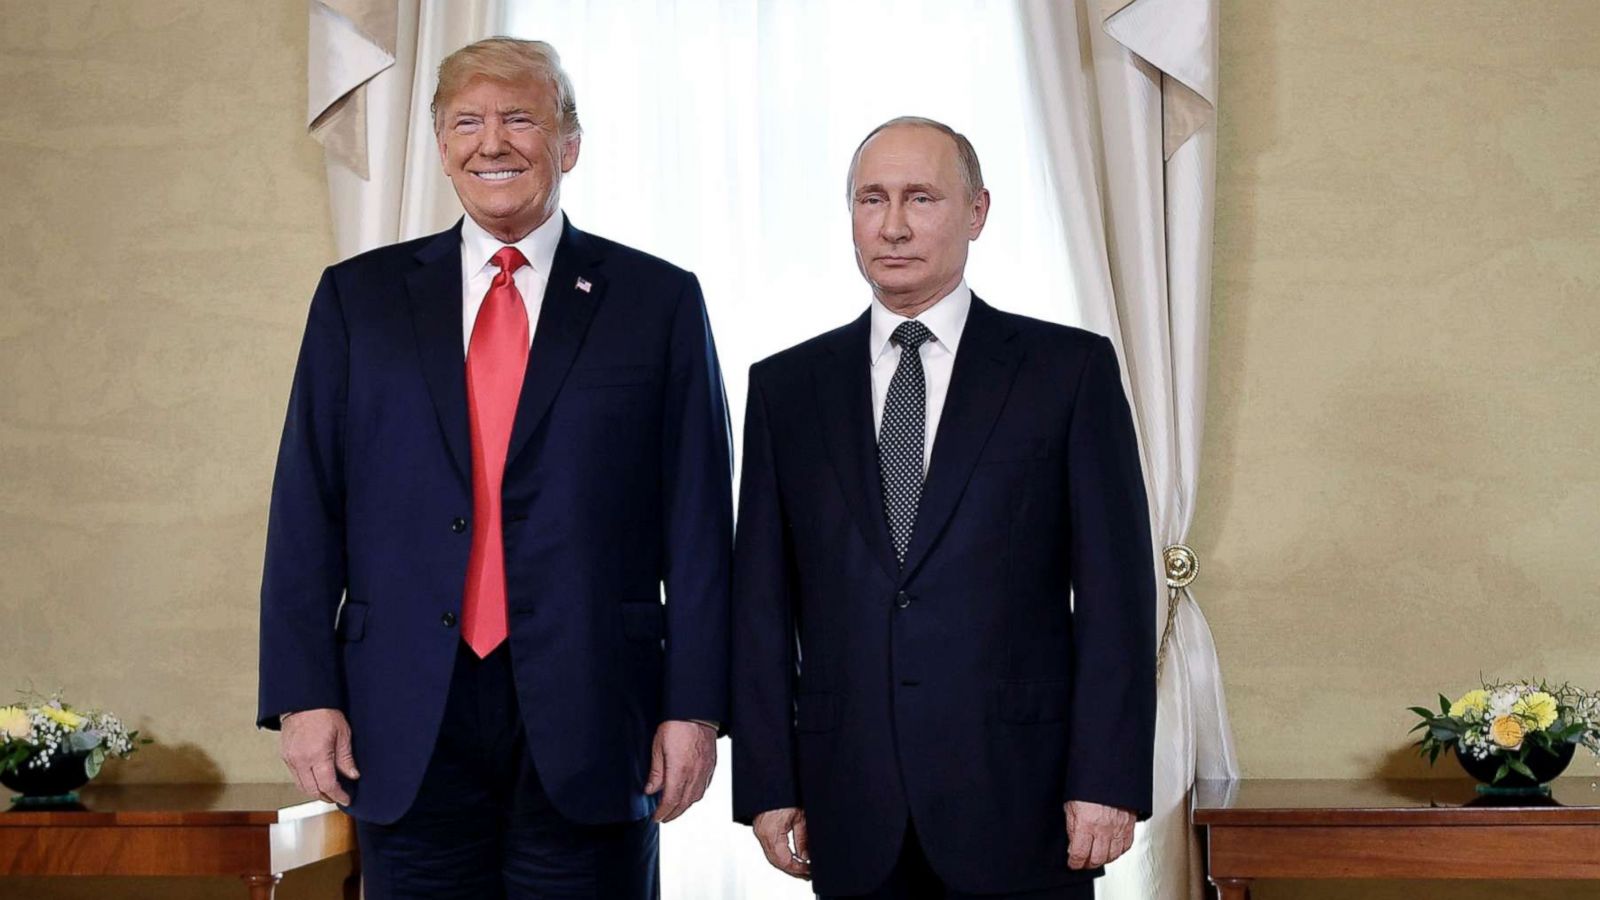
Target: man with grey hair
[[944, 589], [505, 442]]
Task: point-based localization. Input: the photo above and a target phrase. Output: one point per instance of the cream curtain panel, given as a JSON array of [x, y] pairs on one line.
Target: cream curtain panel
[[1128, 94], [370, 77]]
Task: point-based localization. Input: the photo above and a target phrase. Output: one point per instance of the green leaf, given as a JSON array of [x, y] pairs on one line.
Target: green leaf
[[1501, 772], [1444, 705], [93, 762], [1520, 767], [1421, 711]]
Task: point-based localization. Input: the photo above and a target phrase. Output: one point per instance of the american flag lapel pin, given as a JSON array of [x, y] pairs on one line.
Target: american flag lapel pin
[[584, 285]]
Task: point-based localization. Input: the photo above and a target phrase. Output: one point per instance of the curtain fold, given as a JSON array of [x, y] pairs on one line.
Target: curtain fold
[[371, 74], [1127, 97]]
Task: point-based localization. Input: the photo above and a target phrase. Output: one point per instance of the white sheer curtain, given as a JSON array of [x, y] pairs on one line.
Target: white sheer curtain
[[371, 75], [717, 135], [1128, 91]]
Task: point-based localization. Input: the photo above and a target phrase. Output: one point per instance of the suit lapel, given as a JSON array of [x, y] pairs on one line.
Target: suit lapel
[[986, 364], [435, 295], [571, 296], [843, 378]]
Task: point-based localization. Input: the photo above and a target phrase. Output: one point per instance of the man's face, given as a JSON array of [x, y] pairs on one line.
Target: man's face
[[501, 146], [911, 216]]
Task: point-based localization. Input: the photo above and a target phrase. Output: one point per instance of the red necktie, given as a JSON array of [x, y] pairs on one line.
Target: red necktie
[[496, 359]]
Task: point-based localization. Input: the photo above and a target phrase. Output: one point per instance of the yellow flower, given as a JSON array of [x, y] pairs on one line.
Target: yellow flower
[[66, 718], [1508, 732], [14, 723], [1477, 701], [1538, 709]]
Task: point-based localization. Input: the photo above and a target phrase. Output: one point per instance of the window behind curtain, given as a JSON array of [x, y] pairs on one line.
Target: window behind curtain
[[717, 134]]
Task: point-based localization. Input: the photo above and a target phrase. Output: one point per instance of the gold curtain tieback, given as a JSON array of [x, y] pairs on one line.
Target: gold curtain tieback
[[1181, 565]]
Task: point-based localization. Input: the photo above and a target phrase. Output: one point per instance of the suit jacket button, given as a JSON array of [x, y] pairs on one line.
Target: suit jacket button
[[458, 524], [902, 600], [448, 620]]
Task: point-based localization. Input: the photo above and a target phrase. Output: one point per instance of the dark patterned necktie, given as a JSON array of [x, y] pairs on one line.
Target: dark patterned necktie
[[901, 436]]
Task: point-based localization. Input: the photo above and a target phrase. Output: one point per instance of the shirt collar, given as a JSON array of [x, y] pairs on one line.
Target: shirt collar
[[946, 318], [478, 246]]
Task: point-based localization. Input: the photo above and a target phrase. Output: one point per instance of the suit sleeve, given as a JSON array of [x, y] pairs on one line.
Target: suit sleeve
[[1112, 736], [697, 533], [303, 577], [764, 632]]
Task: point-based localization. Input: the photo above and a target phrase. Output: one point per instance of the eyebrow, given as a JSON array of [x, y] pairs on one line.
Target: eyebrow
[[919, 187]]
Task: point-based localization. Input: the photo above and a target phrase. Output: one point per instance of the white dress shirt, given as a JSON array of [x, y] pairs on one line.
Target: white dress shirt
[[478, 248], [945, 318]]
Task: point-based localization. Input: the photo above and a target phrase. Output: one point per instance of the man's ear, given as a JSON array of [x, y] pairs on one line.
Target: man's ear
[[980, 214], [569, 152]]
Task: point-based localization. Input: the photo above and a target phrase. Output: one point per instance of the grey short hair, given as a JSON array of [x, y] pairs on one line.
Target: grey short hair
[[508, 59], [966, 155]]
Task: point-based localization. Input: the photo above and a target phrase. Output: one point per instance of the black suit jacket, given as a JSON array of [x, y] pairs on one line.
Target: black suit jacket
[[1006, 668]]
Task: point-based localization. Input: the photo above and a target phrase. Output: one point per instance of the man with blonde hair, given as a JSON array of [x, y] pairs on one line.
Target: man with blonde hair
[[504, 443]]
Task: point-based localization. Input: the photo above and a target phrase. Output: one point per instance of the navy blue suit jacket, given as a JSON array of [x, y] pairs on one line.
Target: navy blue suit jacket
[[964, 690], [618, 480]]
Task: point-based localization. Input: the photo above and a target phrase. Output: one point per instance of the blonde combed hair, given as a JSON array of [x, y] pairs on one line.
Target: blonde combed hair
[[512, 60]]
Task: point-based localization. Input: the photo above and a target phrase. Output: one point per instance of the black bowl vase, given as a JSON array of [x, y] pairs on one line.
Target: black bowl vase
[[63, 775], [1544, 764]]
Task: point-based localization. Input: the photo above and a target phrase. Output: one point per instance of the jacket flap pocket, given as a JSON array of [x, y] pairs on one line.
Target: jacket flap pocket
[[352, 623], [816, 712], [644, 620], [1026, 702], [612, 376]]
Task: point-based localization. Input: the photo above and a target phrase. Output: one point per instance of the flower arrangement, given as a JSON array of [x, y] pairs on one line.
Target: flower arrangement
[[42, 733], [1517, 724]]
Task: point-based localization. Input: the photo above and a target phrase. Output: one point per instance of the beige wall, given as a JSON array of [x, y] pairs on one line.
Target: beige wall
[[1400, 470], [163, 221], [1400, 482]]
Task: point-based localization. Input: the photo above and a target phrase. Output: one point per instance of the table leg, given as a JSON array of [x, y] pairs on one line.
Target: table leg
[[262, 886], [1233, 888]]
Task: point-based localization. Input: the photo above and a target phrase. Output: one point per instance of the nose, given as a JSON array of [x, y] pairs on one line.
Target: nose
[[492, 141], [896, 228]]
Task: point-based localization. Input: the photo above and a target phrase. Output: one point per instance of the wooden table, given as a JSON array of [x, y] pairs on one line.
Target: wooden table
[[254, 831], [1394, 829]]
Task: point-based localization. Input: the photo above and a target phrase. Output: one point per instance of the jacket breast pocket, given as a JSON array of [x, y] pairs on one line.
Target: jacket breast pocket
[[816, 712], [1033, 702], [1003, 450], [352, 622], [612, 376]]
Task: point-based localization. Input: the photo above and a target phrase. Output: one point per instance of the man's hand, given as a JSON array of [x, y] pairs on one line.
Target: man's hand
[[773, 829], [1096, 834], [315, 745], [682, 760]]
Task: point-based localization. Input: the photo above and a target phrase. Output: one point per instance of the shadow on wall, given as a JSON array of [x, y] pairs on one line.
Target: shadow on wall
[[169, 763], [1239, 180]]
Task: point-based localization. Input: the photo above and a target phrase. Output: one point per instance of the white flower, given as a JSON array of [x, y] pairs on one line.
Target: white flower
[[1501, 702]]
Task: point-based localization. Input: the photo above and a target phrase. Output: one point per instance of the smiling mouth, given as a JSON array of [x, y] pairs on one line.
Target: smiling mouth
[[503, 175]]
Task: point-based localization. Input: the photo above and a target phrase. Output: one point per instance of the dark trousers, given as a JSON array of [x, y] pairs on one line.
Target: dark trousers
[[913, 878], [482, 827]]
